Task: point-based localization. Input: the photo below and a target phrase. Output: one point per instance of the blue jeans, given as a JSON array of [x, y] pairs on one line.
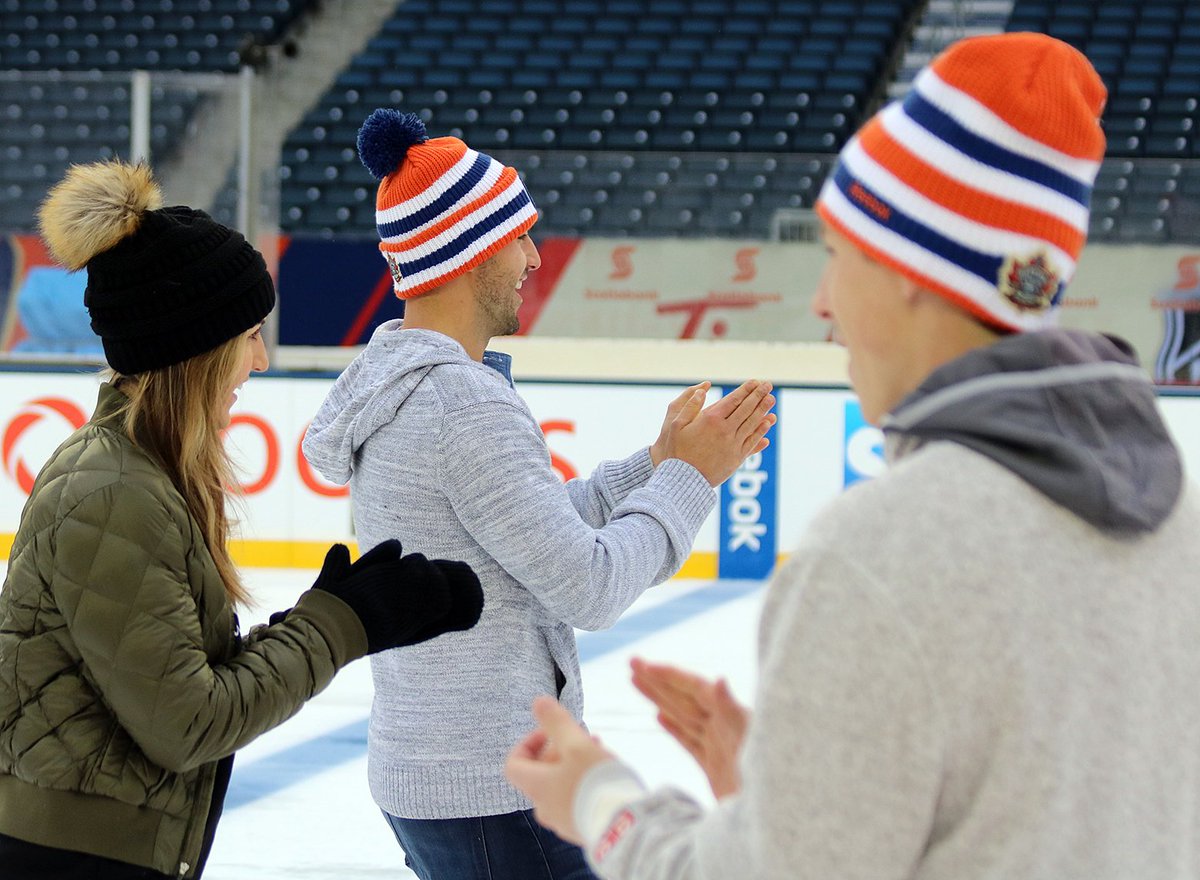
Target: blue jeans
[[508, 847]]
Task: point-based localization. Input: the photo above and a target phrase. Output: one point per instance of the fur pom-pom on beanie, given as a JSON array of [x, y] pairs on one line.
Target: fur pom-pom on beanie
[[164, 284], [94, 207]]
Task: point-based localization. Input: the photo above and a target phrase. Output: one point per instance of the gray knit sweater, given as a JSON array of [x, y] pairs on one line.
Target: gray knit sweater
[[441, 452], [983, 664]]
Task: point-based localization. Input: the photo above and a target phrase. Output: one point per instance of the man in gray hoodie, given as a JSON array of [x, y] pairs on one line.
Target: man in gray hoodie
[[441, 452], [983, 663]]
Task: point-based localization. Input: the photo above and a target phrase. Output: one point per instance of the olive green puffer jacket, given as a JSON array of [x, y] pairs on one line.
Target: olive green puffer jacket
[[122, 680]]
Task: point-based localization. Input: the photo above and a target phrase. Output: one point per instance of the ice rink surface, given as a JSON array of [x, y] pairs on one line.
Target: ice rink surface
[[299, 808]]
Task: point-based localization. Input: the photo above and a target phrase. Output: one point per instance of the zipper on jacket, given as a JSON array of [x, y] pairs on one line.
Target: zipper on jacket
[[183, 869]]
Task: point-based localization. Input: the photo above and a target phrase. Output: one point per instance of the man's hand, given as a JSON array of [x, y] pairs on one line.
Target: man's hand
[[680, 412], [702, 715], [716, 439], [549, 763]]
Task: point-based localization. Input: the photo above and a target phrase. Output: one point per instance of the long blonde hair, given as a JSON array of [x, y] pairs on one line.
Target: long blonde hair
[[174, 414]]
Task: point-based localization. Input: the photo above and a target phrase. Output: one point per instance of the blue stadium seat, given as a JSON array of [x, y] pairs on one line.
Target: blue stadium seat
[[768, 77]]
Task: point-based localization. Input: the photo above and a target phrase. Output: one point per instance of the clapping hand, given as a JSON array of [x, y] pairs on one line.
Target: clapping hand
[[716, 439], [549, 763], [702, 715]]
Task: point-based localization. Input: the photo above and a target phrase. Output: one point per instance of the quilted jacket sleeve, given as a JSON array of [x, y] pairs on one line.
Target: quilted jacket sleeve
[[123, 569]]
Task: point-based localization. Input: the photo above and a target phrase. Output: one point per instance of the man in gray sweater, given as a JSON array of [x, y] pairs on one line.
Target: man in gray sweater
[[441, 452], [984, 663]]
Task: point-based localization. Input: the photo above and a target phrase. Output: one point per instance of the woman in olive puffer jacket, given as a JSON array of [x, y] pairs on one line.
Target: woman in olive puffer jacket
[[125, 687]]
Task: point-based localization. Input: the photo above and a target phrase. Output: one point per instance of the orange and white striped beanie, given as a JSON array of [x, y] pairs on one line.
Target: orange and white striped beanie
[[977, 185], [441, 208]]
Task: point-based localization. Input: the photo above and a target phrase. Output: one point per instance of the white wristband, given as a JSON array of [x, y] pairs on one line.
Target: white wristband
[[603, 792]]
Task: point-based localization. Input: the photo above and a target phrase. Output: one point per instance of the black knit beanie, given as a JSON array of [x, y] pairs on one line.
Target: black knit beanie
[[164, 284], [179, 286]]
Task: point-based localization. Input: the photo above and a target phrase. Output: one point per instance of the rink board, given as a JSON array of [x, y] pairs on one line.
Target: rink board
[[289, 514]]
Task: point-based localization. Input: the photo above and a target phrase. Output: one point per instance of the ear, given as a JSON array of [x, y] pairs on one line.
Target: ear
[[911, 292], [471, 277], [466, 280]]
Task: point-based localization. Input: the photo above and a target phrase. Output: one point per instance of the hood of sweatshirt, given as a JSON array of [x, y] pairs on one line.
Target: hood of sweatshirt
[[367, 395], [1069, 412]]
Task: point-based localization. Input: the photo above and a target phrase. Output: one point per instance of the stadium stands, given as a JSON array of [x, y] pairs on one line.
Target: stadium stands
[[120, 35], [72, 103], [1149, 56], [677, 117], [626, 117]]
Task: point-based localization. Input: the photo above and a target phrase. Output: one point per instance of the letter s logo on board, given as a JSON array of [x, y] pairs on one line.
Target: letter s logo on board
[[864, 447], [33, 417], [744, 260], [622, 260], [563, 467]]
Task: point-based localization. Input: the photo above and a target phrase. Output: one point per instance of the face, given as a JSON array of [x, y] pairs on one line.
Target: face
[[867, 307], [498, 282], [253, 360]]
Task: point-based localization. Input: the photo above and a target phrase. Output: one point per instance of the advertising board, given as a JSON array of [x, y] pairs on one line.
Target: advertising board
[[288, 514]]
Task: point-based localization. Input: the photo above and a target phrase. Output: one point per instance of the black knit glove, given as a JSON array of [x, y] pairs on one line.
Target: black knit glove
[[402, 600]]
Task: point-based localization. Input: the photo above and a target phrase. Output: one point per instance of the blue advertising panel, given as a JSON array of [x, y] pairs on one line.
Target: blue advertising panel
[[333, 292], [863, 447], [749, 522]]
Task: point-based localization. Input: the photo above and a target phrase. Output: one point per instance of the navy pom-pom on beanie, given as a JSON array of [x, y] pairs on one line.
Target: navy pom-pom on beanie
[[385, 137]]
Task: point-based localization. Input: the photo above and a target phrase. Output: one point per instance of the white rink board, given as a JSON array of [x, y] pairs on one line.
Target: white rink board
[[819, 444]]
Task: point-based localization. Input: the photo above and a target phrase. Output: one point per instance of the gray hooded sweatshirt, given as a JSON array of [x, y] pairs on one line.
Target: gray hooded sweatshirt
[[441, 452], [982, 664]]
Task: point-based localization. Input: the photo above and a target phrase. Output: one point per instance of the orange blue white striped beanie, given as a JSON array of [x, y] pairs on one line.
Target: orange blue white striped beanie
[[442, 208], [977, 185]]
